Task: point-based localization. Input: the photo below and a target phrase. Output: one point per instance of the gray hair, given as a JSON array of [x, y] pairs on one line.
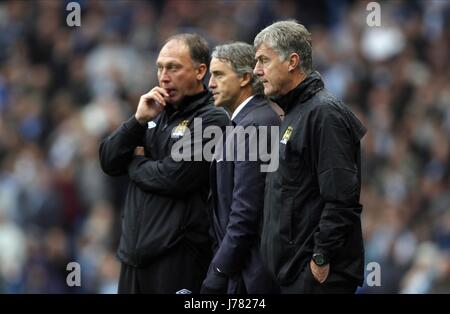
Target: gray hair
[[241, 57], [286, 37]]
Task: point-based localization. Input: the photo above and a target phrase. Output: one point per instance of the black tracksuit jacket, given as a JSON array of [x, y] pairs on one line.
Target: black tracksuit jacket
[[166, 201], [312, 201]]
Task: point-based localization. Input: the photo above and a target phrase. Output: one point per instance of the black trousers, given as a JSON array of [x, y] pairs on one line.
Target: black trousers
[[179, 269], [307, 284]]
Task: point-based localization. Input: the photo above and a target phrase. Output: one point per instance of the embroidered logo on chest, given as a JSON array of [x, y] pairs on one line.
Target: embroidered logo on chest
[[179, 130], [286, 135]]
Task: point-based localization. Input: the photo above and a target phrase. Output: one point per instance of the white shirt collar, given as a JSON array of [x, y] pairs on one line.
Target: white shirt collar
[[241, 106]]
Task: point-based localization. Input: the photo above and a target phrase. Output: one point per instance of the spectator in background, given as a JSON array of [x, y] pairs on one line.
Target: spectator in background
[[48, 100]]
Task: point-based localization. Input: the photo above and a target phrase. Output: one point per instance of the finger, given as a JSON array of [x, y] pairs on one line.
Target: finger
[[160, 94], [157, 91], [150, 96], [160, 99], [161, 91], [155, 96]]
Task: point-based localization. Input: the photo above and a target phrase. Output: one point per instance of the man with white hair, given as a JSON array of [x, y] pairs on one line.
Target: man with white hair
[[311, 237]]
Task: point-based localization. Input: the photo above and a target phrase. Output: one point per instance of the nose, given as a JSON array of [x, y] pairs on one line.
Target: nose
[[163, 76], [258, 69], [212, 83]]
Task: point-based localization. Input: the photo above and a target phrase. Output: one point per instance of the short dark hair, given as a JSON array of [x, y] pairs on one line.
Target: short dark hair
[[197, 45]]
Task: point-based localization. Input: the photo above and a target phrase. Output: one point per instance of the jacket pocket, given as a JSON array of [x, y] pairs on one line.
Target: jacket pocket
[[291, 165], [286, 213]]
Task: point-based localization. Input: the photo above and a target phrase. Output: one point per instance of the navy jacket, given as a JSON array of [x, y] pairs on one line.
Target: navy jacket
[[237, 202]]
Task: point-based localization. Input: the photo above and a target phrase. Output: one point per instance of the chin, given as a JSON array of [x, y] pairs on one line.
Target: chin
[[175, 100], [218, 103], [268, 92]]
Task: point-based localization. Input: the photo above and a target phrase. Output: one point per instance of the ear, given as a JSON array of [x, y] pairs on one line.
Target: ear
[[294, 61], [245, 79], [201, 71]]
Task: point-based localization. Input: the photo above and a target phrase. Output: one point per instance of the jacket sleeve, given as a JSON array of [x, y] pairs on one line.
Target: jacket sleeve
[[116, 150], [336, 156], [245, 214], [168, 176]]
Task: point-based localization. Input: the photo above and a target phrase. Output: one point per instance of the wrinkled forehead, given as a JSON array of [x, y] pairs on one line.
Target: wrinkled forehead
[[220, 64], [264, 49]]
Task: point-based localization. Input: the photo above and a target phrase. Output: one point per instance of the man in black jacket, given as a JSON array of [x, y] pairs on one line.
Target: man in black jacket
[[165, 245], [237, 184], [311, 239]]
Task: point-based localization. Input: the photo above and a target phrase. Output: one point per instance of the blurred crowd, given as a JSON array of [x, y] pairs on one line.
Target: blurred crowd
[[62, 89]]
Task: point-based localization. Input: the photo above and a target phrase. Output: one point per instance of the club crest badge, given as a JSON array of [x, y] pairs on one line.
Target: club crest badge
[[179, 130], [286, 135]]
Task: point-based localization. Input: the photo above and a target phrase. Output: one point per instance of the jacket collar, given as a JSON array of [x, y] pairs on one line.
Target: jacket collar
[[256, 101], [305, 90]]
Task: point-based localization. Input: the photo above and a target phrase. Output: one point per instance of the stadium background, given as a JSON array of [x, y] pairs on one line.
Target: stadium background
[[63, 88]]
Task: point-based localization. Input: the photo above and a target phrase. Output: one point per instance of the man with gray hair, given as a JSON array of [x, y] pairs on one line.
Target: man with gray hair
[[237, 186], [311, 237]]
